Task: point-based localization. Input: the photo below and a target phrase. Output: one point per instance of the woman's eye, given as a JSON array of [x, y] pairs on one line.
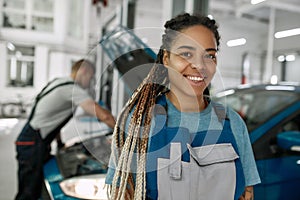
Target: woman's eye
[[185, 54], [209, 57]]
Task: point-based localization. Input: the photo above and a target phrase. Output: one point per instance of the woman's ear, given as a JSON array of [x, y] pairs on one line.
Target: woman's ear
[[166, 58]]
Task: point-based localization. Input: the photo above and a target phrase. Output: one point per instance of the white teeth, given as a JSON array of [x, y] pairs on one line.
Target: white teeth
[[194, 78]]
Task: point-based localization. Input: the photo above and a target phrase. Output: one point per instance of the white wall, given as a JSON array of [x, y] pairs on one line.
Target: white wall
[[54, 52], [40, 67], [3, 69], [60, 63]]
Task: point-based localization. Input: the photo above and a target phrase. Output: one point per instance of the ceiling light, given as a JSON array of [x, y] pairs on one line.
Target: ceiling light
[[274, 79], [281, 58], [290, 58], [280, 87], [236, 42], [256, 1], [11, 46], [210, 16], [287, 33], [225, 93], [18, 54]]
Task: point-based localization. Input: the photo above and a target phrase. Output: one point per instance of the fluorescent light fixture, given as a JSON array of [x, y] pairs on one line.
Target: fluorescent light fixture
[[290, 57], [210, 16], [225, 93], [11, 46], [253, 2], [279, 87], [281, 58], [242, 86], [274, 79], [18, 54], [236, 42], [287, 33]]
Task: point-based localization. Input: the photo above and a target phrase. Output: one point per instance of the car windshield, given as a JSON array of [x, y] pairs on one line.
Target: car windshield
[[257, 106]]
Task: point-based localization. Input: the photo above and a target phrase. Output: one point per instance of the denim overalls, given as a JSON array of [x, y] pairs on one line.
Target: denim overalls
[[204, 165]]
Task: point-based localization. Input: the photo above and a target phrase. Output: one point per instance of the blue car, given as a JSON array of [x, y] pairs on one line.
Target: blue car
[[272, 115]]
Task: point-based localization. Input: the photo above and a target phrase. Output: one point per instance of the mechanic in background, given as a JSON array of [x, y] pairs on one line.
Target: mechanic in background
[[54, 107]]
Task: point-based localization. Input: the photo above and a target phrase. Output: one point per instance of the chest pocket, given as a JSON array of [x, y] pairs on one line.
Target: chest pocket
[[210, 174]]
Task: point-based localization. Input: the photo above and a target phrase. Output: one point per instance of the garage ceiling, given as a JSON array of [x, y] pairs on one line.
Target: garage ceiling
[[244, 18], [258, 11]]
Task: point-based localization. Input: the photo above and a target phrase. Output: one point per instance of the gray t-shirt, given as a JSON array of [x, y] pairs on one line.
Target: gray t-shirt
[[56, 106]]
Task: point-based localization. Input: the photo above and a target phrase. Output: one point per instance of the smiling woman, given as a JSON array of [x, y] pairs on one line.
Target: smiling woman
[[171, 141]]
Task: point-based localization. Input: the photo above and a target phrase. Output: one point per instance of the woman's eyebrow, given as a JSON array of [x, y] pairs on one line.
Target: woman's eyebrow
[[211, 49], [186, 47], [193, 48]]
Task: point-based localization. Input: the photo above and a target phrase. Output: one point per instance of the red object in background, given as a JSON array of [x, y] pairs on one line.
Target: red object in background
[[244, 79], [104, 2]]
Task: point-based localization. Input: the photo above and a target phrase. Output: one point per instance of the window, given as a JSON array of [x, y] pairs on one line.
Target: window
[[255, 107], [292, 124], [20, 64], [75, 28], [14, 13], [28, 14], [266, 147]]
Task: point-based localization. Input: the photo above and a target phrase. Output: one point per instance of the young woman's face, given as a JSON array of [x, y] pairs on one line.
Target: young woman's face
[[191, 61]]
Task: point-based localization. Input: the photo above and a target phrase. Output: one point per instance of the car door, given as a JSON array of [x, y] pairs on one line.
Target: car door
[[279, 169]]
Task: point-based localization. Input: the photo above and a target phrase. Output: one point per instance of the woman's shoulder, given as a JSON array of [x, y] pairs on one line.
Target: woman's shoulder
[[231, 114]]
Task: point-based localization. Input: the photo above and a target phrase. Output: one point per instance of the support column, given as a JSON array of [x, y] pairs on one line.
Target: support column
[[201, 7], [190, 6], [131, 14], [269, 59], [283, 70], [245, 68], [128, 13]]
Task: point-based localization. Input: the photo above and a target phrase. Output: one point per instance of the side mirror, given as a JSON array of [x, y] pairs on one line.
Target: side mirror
[[289, 140]]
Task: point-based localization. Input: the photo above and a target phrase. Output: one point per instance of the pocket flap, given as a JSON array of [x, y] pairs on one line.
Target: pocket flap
[[211, 154]]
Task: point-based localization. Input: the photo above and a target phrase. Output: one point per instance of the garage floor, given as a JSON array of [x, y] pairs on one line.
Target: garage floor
[[9, 129]]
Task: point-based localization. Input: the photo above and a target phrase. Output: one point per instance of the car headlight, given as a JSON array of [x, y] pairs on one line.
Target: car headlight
[[85, 187]]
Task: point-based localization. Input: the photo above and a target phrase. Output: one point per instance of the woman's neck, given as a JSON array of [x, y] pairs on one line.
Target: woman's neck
[[188, 103]]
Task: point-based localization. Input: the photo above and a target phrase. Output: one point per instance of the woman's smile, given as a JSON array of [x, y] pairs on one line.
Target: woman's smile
[[195, 80]]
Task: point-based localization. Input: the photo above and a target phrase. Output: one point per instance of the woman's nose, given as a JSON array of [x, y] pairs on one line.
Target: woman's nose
[[198, 65], [197, 62]]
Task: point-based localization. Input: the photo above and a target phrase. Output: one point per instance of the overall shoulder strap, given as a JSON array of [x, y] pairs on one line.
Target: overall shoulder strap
[[161, 104], [220, 111], [41, 94]]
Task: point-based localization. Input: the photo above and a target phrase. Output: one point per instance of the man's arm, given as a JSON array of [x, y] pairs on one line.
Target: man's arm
[[94, 109]]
